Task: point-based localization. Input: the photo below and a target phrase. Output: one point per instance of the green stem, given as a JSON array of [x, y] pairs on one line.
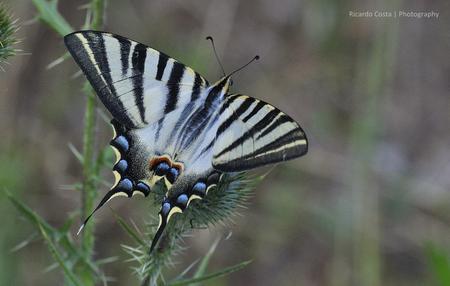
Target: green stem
[[368, 127], [89, 192], [98, 9]]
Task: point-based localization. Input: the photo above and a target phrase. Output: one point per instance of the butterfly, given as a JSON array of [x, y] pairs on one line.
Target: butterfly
[[172, 126]]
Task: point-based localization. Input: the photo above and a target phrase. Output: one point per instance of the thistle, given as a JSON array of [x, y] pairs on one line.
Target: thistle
[[219, 207], [8, 29]]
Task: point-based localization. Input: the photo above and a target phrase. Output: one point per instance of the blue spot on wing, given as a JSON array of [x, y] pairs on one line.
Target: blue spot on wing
[[165, 209], [125, 185], [121, 143], [172, 175], [199, 189], [162, 168], [144, 188], [182, 199], [121, 166]]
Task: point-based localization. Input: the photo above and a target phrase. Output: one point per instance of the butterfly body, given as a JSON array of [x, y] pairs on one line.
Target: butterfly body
[[172, 127]]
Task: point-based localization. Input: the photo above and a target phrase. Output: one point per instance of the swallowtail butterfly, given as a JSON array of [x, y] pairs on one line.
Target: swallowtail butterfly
[[171, 125]]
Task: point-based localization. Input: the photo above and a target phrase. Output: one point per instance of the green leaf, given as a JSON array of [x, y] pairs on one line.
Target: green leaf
[[185, 271], [50, 268], [439, 263], [58, 61], [30, 214], [217, 274], [205, 261], [72, 187], [107, 260], [58, 257], [40, 223], [76, 153], [24, 243], [68, 223], [128, 229], [48, 13]]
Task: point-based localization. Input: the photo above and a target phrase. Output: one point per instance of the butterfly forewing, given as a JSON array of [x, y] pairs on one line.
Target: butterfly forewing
[[137, 84]]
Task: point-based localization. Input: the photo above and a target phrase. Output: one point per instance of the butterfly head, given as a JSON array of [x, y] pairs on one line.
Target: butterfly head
[[226, 81], [222, 86]]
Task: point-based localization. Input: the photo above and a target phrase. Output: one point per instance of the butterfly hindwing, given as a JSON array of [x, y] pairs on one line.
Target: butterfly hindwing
[[137, 84], [254, 133]]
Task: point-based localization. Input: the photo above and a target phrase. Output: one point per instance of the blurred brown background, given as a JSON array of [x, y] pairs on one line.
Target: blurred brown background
[[362, 208]]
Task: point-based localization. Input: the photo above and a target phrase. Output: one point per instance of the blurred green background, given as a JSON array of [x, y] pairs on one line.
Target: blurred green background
[[368, 205]]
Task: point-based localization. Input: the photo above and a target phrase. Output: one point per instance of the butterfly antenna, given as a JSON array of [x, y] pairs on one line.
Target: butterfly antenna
[[255, 58], [215, 53]]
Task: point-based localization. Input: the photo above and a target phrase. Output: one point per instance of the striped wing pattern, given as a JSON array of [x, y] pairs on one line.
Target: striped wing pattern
[[172, 127], [137, 84], [255, 134]]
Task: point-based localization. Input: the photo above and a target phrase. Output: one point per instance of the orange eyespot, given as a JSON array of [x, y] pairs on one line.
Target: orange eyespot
[[155, 161], [179, 166]]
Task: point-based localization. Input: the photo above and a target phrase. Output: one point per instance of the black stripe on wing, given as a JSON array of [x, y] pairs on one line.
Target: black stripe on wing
[[125, 48], [173, 86], [162, 62], [138, 62], [196, 88]]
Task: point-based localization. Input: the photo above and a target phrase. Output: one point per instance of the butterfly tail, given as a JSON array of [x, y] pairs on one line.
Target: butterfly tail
[[105, 199], [125, 187], [158, 234], [167, 210]]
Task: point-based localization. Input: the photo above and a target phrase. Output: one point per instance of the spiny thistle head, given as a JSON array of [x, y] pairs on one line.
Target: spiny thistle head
[[219, 206], [8, 29]]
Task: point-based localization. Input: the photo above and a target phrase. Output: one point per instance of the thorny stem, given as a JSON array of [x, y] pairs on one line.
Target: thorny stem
[[89, 193], [98, 9], [221, 204]]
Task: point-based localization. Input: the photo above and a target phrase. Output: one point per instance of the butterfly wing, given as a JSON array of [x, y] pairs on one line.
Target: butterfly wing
[[254, 133], [137, 84]]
